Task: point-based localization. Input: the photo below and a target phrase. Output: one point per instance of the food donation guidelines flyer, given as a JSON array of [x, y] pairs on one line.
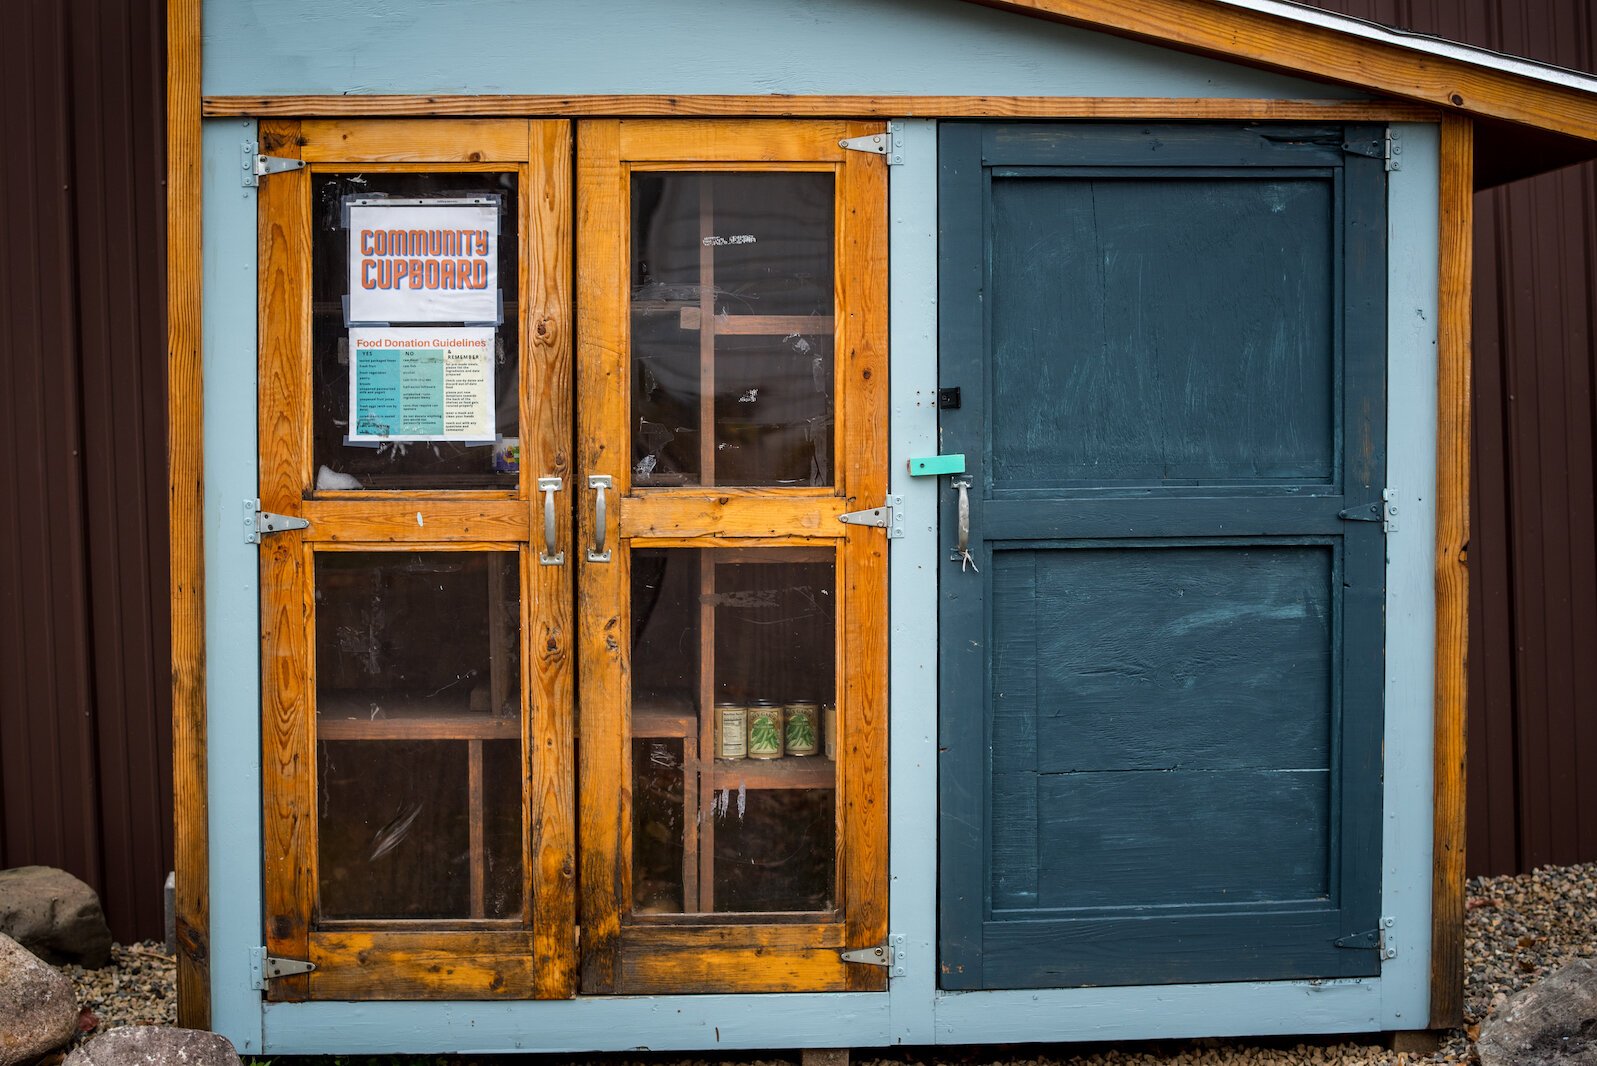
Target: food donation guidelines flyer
[[420, 261], [425, 384]]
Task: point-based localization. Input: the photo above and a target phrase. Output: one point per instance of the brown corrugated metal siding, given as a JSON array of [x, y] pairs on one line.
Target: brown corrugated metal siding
[[85, 726], [1533, 546], [85, 730]]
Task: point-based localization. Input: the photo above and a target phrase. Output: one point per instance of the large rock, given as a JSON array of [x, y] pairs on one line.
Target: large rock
[[154, 1045], [1553, 1022], [54, 915], [38, 1011]]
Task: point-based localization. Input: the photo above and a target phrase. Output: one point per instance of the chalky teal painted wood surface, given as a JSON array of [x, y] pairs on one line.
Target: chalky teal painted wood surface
[[1163, 661]]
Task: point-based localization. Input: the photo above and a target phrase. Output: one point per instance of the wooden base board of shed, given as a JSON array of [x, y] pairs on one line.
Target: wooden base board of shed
[[1412, 1041], [824, 1057]]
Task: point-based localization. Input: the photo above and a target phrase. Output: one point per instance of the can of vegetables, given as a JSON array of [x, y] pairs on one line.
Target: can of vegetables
[[765, 730], [801, 732]]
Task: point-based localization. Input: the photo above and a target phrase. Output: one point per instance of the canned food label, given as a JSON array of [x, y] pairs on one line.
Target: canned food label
[[765, 733], [731, 737], [801, 729]]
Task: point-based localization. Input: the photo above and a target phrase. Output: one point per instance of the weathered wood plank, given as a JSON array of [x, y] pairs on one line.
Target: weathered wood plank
[[366, 521], [602, 588], [859, 106], [415, 141], [730, 514], [288, 763], [186, 511], [426, 964], [862, 400], [1452, 573], [549, 651]]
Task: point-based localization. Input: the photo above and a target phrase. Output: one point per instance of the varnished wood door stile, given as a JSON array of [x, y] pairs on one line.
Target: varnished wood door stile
[[699, 952], [491, 958]]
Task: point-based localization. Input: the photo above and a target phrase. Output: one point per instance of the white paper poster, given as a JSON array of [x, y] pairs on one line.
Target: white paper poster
[[429, 384], [423, 261]]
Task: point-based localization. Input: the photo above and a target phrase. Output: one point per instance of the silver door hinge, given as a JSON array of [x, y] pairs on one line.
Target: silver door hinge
[[265, 968], [1387, 148], [256, 166], [1379, 939], [1385, 512], [889, 956], [889, 144], [258, 523], [889, 516]]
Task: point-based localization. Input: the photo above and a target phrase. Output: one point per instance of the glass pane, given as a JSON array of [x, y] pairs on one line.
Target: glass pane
[[418, 718], [734, 723], [422, 417], [732, 299]]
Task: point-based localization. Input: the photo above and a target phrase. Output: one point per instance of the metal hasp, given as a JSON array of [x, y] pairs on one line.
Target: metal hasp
[[258, 523], [255, 165], [936, 465], [889, 956], [889, 144], [1385, 512], [264, 968], [1379, 939], [889, 516]]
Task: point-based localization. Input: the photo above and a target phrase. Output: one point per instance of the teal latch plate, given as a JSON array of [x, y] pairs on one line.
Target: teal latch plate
[[932, 465]]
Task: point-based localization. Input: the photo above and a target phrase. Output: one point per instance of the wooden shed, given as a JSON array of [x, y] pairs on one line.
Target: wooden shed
[[826, 523]]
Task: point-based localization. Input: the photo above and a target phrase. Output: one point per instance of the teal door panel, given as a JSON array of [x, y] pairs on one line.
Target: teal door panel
[[1162, 663]]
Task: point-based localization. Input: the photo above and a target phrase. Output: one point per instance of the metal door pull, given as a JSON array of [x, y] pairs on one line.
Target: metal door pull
[[599, 483], [549, 557], [961, 553]]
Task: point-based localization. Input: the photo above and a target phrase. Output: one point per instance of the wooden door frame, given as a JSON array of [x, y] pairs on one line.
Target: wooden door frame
[[378, 960], [699, 954]]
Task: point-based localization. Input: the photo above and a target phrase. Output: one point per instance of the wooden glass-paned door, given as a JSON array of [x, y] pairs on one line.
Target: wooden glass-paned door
[[731, 405], [414, 387]]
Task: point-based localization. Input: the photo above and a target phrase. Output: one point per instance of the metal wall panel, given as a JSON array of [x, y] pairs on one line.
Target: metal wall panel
[[1533, 548], [85, 724]]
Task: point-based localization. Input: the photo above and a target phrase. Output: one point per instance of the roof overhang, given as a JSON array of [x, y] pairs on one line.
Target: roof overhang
[[1531, 117]]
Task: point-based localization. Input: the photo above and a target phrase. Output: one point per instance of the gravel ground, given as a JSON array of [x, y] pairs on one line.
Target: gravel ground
[[1516, 928]]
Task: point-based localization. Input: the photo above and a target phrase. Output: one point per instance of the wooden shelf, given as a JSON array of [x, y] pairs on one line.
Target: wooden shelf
[[790, 771], [351, 719]]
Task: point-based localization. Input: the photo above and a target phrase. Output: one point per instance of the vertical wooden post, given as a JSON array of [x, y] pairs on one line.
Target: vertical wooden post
[[1452, 574], [186, 509]]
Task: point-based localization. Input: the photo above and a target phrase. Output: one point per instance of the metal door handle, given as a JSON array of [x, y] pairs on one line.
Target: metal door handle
[[961, 553], [599, 483], [549, 557]]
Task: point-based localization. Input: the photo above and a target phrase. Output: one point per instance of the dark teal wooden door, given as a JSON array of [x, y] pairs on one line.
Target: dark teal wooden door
[[1162, 664]]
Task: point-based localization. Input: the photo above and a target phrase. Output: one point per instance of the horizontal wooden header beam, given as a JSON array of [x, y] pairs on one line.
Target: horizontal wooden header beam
[[1314, 51], [768, 105]]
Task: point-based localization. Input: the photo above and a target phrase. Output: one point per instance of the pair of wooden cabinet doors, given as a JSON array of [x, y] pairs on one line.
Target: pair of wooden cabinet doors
[[574, 681]]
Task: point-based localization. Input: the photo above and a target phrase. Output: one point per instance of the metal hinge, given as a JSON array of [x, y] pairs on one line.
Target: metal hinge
[[1385, 512], [264, 968], [258, 523], [1379, 939], [255, 165], [889, 516], [889, 144], [889, 956], [1387, 148]]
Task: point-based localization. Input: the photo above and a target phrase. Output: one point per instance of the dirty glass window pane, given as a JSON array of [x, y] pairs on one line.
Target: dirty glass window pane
[[732, 324], [418, 719], [734, 727], [343, 464]]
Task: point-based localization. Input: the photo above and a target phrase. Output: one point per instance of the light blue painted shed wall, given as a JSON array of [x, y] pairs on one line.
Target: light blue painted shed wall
[[915, 47]]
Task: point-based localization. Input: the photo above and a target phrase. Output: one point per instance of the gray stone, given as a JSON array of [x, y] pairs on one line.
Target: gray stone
[[154, 1045], [1553, 1022], [54, 915], [38, 1011]]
